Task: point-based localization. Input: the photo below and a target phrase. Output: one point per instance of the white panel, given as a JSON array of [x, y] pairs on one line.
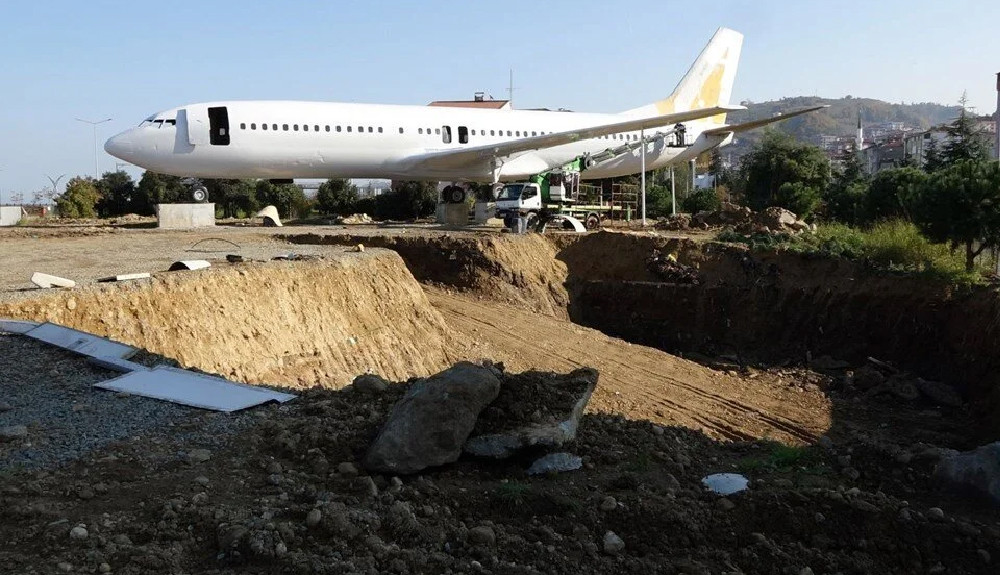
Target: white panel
[[80, 341], [194, 389], [197, 124]]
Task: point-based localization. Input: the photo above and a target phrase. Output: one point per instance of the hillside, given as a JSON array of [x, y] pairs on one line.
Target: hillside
[[841, 118]]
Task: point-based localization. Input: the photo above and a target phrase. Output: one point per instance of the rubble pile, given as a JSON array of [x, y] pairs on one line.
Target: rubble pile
[[354, 219], [668, 269], [741, 218]]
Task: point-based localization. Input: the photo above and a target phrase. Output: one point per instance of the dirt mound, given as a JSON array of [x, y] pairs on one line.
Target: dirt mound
[[294, 324], [519, 269], [288, 496]]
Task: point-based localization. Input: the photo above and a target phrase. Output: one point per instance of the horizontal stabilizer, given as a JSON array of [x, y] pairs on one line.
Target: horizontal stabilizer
[[736, 128]]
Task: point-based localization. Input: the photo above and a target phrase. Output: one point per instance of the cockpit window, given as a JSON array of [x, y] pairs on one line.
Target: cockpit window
[[170, 122], [159, 123]]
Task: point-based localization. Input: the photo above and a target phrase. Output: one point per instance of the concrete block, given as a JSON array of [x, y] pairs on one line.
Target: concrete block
[[456, 214], [485, 211], [48, 281], [185, 216], [10, 215]]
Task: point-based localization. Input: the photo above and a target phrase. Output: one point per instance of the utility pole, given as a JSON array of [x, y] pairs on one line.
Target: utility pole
[[510, 89], [673, 193], [54, 182], [642, 161], [97, 169]]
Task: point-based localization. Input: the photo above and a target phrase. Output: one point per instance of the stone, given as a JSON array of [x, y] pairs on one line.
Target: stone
[[122, 540], [725, 504], [827, 363], [314, 517], [977, 470], [984, 556], [806, 571], [78, 533], [482, 535], [825, 442], [104, 568], [937, 392], [86, 493], [347, 468], [613, 544], [935, 514], [532, 409], [431, 423], [64, 566], [13, 432], [370, 384], [4, 406], [198, 456], [608, 504], [555, 463]]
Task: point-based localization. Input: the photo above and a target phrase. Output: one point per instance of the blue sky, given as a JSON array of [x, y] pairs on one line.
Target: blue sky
[[124, 60]]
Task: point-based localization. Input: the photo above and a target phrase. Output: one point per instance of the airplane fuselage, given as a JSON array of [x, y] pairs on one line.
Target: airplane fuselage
[[291, 139]]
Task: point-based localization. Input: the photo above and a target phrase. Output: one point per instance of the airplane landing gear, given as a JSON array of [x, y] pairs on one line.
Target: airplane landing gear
[[196, 190], [453, 194]]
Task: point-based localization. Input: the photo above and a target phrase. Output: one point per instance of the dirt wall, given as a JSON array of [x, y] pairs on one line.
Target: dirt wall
[[294, 323]]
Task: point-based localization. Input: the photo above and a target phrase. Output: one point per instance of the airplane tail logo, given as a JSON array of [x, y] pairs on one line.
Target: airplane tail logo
[[709, 81]]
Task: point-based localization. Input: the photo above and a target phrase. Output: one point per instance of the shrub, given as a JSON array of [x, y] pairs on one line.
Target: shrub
[[701, 201]]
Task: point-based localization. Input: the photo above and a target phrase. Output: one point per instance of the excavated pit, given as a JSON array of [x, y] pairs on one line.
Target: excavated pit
[[768, 308], [294, 324]]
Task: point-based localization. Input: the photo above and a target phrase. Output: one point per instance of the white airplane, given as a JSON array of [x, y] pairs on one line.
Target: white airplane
[[282, 140]]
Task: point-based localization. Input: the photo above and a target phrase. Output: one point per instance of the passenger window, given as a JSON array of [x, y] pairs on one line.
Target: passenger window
[[400, 130], [316, 129], [295, 127], [361, 128], [253, 126], [348, 129], [263, 126], [274, 127], [338, 128], [327, 128], [305, 127], [420, 130], [369, 129], [380, 129], [446, 134], [437, 130], [284, 127], [509, 133], [492, 133], [243, 126]]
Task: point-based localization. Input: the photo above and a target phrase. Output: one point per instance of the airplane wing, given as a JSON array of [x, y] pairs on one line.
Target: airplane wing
[[736, 128], [467, 157]]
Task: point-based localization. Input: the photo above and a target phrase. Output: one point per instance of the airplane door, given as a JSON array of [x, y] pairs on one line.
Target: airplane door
[[218, 123], [197, 125]]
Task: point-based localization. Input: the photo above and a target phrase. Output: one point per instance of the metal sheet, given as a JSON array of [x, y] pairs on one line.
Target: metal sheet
[[194, 389], [80, 341], [17, 325]]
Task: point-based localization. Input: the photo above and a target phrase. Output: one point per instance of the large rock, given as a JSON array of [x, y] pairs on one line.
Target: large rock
[[429, 425], [776, 218], [977, 470], [532, 409]]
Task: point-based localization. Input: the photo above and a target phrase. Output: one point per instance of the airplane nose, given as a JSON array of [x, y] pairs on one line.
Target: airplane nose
[[120, 146]]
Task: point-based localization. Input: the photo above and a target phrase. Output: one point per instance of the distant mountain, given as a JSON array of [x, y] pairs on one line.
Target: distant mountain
[[841, 118]]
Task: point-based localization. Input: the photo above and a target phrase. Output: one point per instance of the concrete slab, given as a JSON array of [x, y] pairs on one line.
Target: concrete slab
[[185, 216], [49, 281], [17, 325], [80, 341], [194, 389], [117, 364], [125, 277], [456, 214], [10, 215]]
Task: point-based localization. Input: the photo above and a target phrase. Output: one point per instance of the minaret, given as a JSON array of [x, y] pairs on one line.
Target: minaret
[[859, 139]]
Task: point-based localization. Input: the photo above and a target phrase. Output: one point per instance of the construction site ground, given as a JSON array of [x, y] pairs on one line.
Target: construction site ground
[[840, 481]]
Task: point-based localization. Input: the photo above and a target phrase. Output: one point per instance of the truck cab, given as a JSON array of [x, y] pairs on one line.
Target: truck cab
[[519, 198]]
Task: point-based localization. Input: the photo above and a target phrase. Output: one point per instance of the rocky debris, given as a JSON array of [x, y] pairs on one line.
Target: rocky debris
[[431, 423], [676, 222], [667, 268], [937, 392], [878, 378], [727, 215], [78, 533], [482, 535], [369, 383], [827, 363], [355, 219], [977, 470], [613, 544], [608, 504], [532, 409], [555, 463], [196, 456]]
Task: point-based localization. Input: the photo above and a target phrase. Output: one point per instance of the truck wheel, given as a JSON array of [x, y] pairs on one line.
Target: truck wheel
[[532, 220], [592, 222]]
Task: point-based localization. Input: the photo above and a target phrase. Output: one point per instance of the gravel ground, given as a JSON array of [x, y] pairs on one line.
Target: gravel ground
[[49, 391]]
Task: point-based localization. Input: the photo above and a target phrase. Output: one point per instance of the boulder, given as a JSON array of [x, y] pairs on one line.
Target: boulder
[[532, 409], [555, 463], [431, 423], [776, 218], [940, 393], [977, 470]]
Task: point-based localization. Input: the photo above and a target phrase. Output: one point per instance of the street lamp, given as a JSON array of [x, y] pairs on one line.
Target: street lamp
[[97, 169], [55, 182]]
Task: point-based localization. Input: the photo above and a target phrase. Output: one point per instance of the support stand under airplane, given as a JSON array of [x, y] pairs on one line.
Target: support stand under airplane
[[282, 140]]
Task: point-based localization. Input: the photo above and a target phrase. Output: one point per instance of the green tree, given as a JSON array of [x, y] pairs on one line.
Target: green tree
[[658, 201], [288, 198], [117, 190], [933, 158], [890, 195], [701, 201], [845, 194], [237, 198], [965, 140], [961, 205], [155, 189], [337, 196], [798, 197], [407, 200], [777, 160], [79, 200]]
